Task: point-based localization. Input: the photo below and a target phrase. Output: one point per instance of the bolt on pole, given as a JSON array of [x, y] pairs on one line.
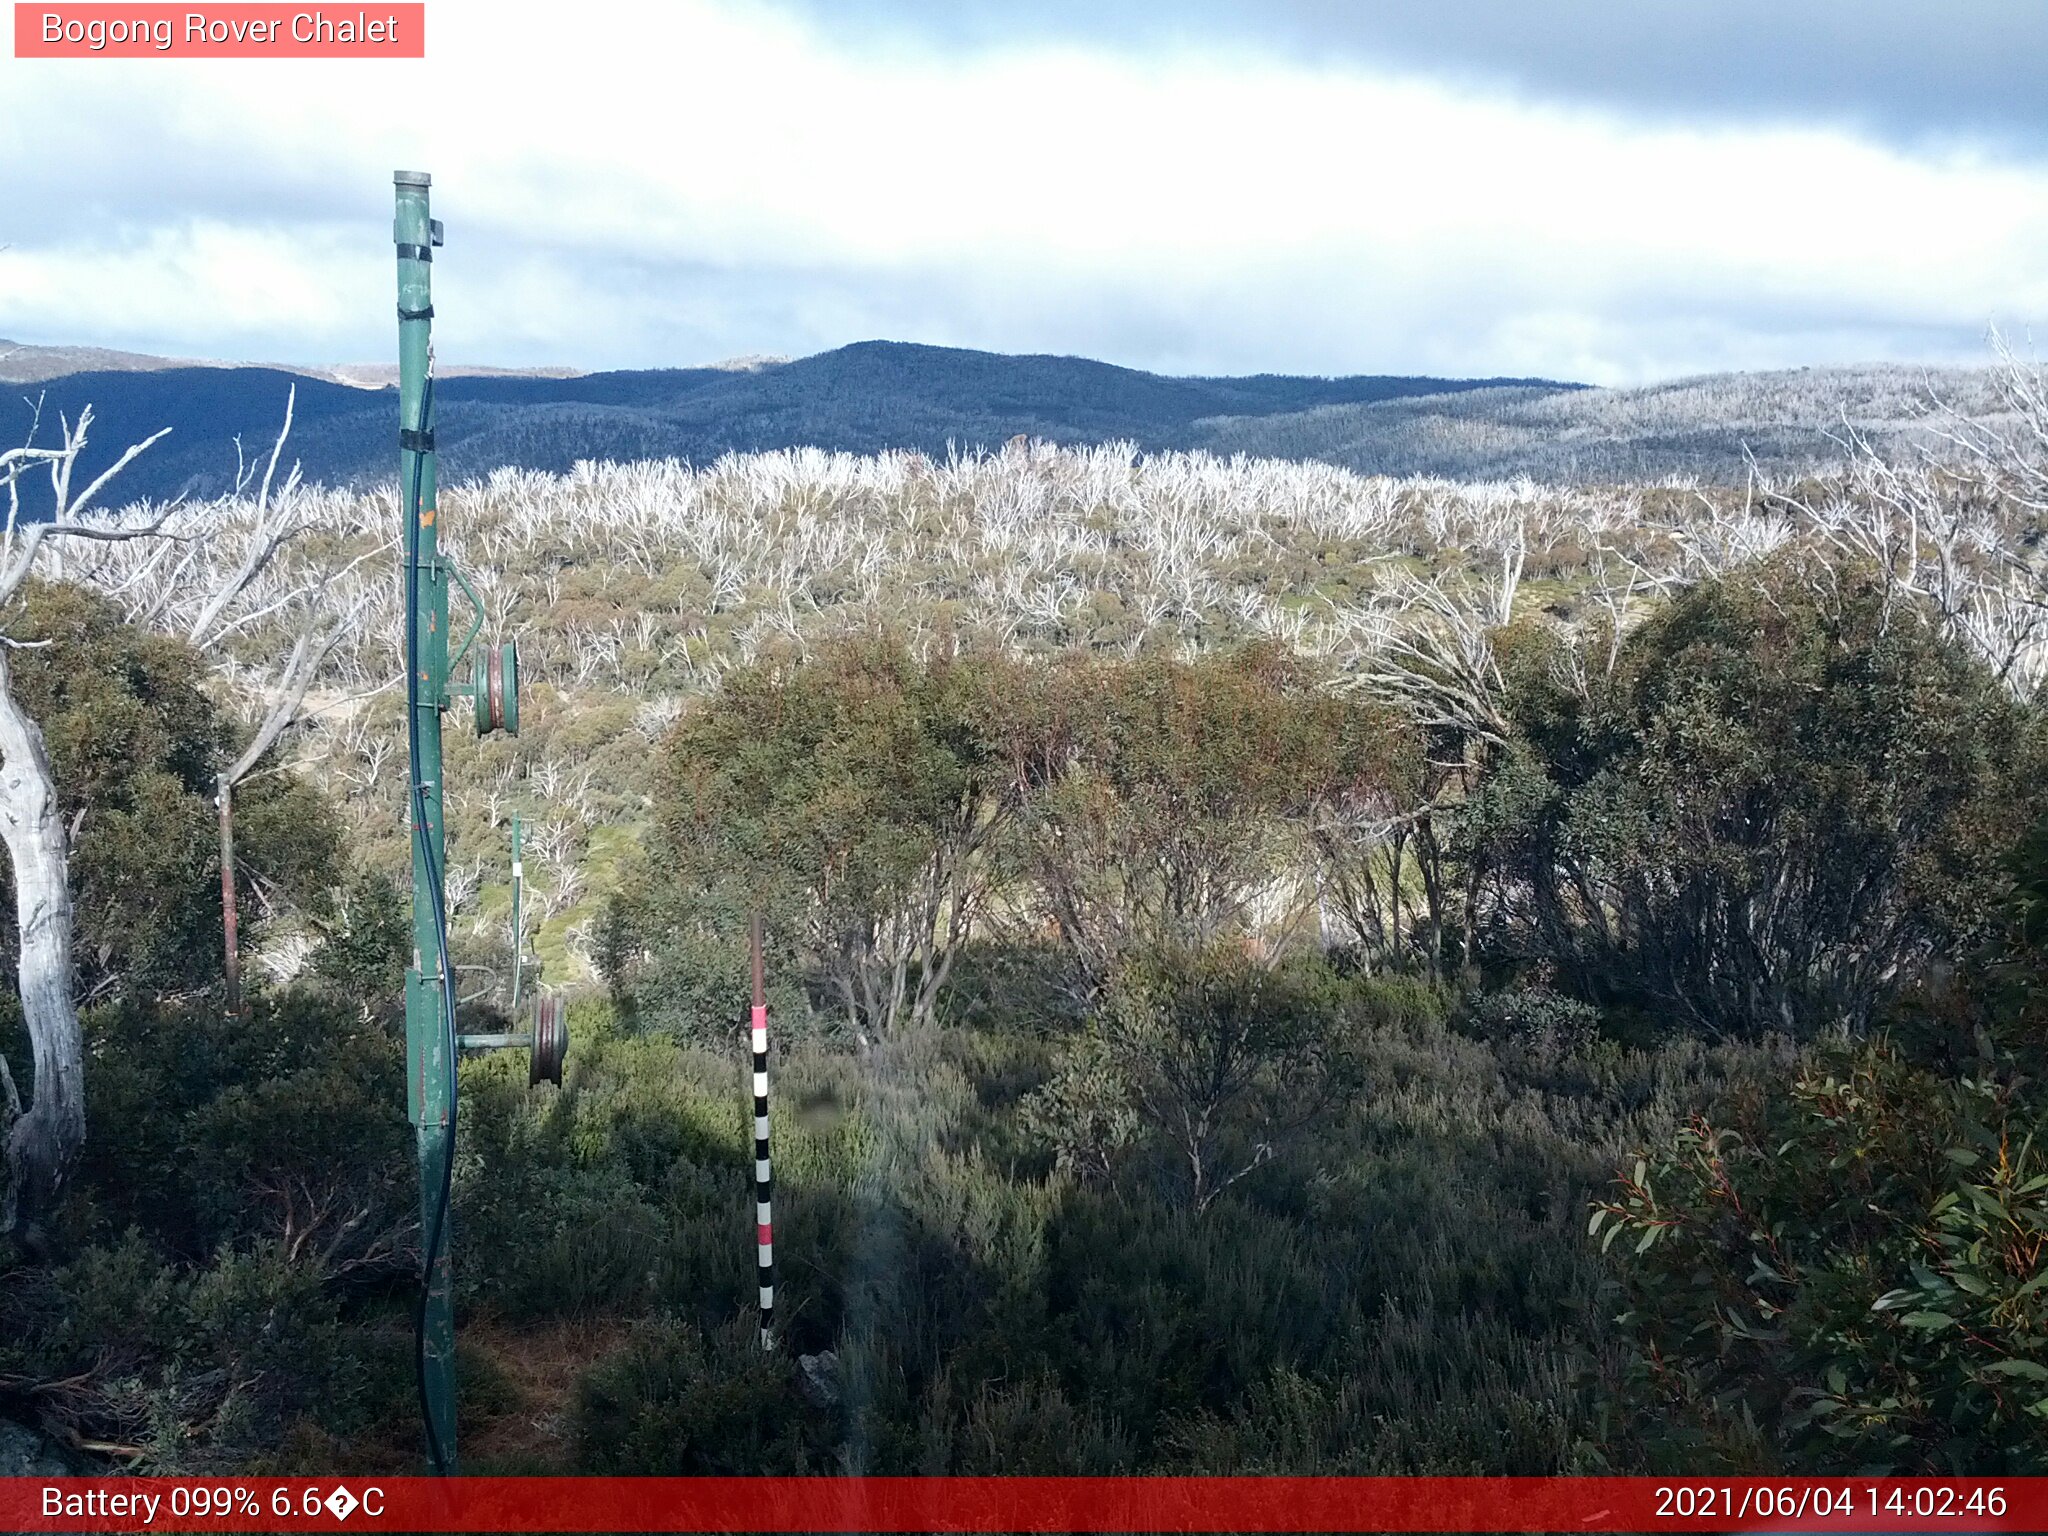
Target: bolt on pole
[[429, 1038]]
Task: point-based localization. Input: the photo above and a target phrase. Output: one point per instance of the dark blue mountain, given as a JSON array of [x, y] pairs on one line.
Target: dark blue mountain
[[863, 398]]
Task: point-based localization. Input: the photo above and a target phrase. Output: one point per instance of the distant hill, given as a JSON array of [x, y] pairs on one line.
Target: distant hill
[[24, 363], [881, 395], [862, 398], [1707, 428]]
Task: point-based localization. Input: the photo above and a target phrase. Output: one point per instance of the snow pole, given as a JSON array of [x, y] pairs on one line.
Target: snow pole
[[764, 1241]]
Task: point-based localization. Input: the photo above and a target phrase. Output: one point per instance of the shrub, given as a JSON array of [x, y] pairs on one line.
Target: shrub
[[853, 798], [1787, 797], [366, 941], [286, 1123], [1224, 1058], [197, 1368], [576, 1196], [679, 1401], [1085, 1114], [1546, 1024], [1169, 797], [1851, 1273], [246, 1179], [1849, 1278], [134, 745]]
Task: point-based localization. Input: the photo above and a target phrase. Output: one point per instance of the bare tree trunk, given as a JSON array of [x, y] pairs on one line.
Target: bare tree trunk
[[228, 915], [1429, 861], [43, 1143]]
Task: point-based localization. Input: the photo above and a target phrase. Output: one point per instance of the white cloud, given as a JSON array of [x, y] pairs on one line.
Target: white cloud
[[636, 185]]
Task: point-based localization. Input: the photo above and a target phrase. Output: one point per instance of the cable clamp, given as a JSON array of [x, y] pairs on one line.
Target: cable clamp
[[410, 441], [415, 314], [415, 253]]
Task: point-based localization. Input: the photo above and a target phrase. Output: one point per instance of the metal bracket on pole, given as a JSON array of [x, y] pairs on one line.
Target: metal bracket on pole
[[476, 622]]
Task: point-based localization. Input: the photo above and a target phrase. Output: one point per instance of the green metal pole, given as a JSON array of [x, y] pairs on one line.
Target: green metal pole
[[518, 932], [429, 1058]]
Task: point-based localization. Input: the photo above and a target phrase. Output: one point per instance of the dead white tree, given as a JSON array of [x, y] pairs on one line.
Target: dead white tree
[[316, 637], [1956, 524], [43, 1138], [324, 614], [1436, 664], [227, 581]]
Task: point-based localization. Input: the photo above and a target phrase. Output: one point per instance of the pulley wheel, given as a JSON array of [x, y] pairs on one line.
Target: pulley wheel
[[550, 1041], [497, 690]]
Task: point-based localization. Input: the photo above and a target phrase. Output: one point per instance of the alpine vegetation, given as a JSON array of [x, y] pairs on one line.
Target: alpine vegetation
[[1275, 968]]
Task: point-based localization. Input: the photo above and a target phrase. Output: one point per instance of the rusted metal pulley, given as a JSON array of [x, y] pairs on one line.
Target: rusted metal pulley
[[497, 689], [550, 1041]]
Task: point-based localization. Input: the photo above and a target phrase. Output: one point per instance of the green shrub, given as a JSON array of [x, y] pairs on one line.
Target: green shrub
[[1164, 793], [134, 744], [853, 798], [1849, 1276], [285, 1123], [565, 1195], [366, 941], [1851, 1272], [678, 1401], [1546, 1024], [1085, 1114], [1220, 1056], [1784, 801], [197, 1367], [247, 1180]]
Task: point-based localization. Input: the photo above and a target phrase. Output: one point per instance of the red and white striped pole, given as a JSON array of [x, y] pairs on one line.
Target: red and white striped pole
[[763, 1179]]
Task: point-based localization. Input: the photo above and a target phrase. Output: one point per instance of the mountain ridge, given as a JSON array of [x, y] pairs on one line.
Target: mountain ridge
[[23, 362], [864, 397], [873, 396]]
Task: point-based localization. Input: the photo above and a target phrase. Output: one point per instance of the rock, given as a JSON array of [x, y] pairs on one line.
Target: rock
[[25, 1453], [820, 1377]]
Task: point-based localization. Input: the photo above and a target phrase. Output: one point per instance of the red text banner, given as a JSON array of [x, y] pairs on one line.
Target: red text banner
[[113, 31], [943, 1504]]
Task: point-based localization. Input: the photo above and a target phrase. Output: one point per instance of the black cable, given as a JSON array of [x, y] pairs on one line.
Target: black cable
[[437, 1229]]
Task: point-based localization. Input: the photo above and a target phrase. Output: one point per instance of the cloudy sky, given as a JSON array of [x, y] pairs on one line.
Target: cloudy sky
[[1604, 190]]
